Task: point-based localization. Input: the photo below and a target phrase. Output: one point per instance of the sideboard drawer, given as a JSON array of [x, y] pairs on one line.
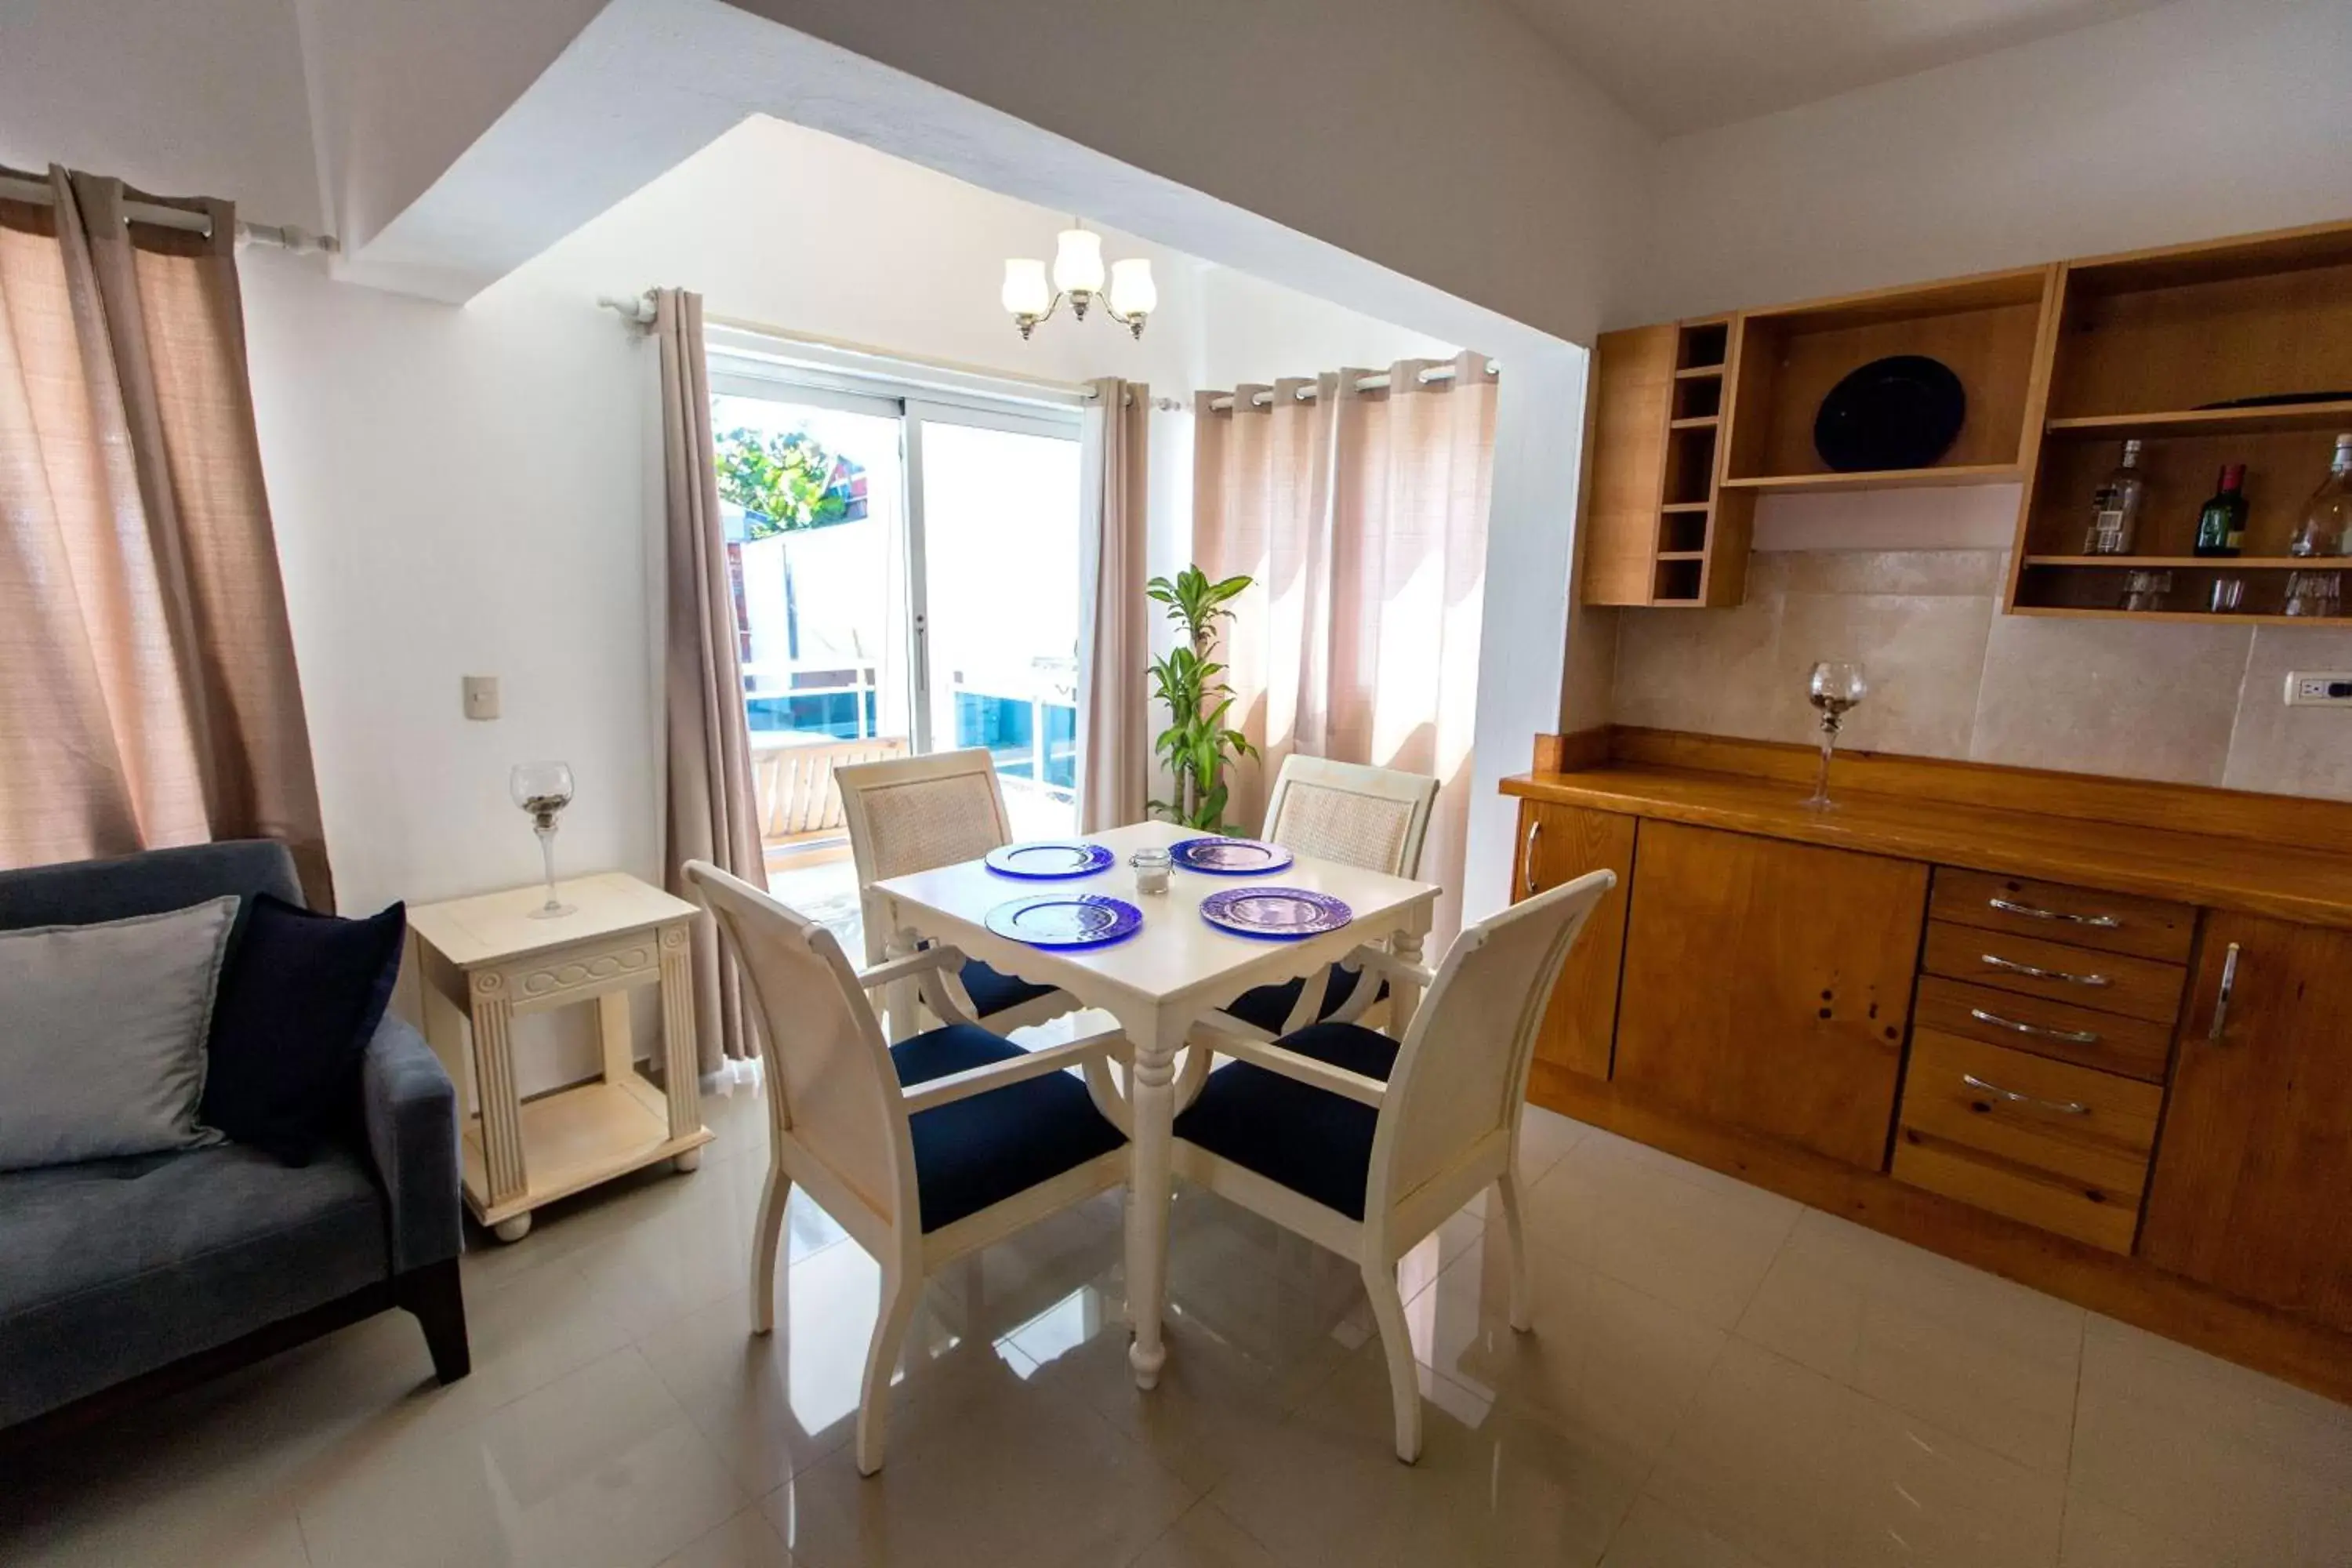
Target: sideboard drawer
[[2135, 1048], [2061, 1147], [2053, 912], [2110, 982]]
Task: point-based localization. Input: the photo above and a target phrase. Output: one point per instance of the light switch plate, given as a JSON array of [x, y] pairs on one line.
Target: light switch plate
[[481, 696], [2319, 688]]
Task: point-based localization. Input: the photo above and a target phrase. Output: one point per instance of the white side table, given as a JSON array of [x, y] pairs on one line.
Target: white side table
[[484, 960]]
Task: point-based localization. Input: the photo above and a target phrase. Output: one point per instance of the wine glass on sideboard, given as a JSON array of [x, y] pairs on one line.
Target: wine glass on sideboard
[[543, 790], [1836, 687]]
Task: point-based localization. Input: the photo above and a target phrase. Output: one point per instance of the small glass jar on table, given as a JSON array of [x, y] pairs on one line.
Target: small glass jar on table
[[1150, 867]]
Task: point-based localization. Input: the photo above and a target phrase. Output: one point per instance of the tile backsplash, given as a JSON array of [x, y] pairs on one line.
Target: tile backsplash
[[1952, 676]]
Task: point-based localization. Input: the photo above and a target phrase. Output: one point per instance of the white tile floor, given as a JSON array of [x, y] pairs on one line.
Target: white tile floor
[[1719, 1378]]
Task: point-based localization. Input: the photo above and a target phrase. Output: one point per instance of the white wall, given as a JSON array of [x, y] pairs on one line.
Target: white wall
[[1257, 331], [779, 224], [171, 96], [2199, 119]]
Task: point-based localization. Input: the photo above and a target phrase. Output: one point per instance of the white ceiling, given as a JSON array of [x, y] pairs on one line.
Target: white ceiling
[[1684, 65]]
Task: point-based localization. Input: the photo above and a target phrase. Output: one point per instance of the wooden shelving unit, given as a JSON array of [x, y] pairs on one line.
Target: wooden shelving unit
[[1698, 420], [2145, 343], [1671, 538], [1988, 330]]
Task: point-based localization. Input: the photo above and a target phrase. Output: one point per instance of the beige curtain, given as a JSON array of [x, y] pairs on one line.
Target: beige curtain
[[1362, 515], [1113, 716], [151, 692], [709, 812]]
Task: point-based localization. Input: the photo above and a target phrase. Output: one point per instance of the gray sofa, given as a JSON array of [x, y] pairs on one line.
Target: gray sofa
[[122, 1280]]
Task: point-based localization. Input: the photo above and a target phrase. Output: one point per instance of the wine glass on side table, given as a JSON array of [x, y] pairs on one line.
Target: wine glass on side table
[[543, 789], [1835, 687]]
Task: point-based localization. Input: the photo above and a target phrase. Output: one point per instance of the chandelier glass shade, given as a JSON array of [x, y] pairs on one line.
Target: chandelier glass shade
[[1078, 276]]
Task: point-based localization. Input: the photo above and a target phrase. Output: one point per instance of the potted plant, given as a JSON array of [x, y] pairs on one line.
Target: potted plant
[[1197, 743]]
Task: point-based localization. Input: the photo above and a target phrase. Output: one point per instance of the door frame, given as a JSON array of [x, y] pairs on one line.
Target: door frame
[[744, 364]]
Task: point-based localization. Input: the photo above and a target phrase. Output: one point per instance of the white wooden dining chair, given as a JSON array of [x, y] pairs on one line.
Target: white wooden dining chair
[[1365, 1145], [916, 814], [924, 1150], [1358, 816]]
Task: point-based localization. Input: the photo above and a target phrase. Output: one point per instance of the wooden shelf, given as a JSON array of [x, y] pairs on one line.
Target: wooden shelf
[[1698, 372], [1707, 422], [2200, 617], [1687, 506], [578, 1137], [1682, 554], [2202, 563], [1881, 479], [2210, 421]]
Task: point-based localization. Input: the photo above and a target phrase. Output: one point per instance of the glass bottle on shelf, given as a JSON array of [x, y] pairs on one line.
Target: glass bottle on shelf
[[2327, 526], [2114, 508], [2221, 526]]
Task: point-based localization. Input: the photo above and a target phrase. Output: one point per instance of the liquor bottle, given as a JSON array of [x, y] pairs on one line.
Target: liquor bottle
[[2221, 526], [2114, 508], [2327, 526]]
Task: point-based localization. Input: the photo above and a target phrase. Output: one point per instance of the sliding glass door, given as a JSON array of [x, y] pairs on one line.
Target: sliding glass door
[[906, 580], [996, 580]]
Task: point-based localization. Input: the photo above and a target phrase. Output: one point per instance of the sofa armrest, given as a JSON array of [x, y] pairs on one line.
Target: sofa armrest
[[411, 1111]]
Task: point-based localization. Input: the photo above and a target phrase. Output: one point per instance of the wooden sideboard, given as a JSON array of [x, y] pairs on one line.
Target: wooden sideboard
[[2090, 1034]]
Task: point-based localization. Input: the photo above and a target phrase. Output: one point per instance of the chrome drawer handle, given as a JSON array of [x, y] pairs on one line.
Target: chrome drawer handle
[[2222, 1001], [2063, 1107], [2041, 1031], [2010, 907], [2031, 973], [1527, 856]]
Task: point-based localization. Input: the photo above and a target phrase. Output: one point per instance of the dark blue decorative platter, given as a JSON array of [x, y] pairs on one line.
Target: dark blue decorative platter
[[1049, 859], [1228, 856], [1066, 921], [1283, 914]]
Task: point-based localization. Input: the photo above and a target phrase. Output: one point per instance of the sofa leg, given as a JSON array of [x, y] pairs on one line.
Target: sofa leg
[[434, 1295]]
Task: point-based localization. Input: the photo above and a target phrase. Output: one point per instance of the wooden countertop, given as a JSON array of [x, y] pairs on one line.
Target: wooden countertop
[[2267, 877]]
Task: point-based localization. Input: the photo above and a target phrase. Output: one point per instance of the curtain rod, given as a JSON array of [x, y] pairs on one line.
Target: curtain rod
[[285, 236], [640, 309], [1363, 383]]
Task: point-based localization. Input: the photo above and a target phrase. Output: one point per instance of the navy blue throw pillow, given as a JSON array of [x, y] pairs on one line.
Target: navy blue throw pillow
[[298, 1000]]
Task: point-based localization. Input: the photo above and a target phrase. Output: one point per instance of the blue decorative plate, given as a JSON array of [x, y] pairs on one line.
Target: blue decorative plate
[[1049, 859], [1229, 857], [1285, 914], [1066, 920]]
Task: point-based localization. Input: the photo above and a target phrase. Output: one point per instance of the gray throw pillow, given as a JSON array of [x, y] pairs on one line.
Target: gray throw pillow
[[102, 1035]]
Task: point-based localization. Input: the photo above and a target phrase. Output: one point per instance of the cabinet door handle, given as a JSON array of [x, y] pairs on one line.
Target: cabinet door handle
[[2039, 1031], [1527, 856], [2221, 1000], [2063, 1107], [2010, 907], [1992, 961]]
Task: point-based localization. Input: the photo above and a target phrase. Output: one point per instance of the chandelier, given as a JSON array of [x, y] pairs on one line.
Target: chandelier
[[1078, 275]]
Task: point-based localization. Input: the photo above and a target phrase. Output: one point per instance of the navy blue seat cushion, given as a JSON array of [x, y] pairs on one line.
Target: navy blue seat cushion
[[1317, 1143], [299, 1001], [993, 991], [981, 1151], [112, 1267], [1268, 1006]]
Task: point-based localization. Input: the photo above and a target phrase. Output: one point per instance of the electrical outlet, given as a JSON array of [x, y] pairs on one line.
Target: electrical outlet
[[481, 696], [2319, 688]]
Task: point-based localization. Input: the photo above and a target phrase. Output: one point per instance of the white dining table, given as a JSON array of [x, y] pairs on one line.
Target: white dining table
[[1157, 983]]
